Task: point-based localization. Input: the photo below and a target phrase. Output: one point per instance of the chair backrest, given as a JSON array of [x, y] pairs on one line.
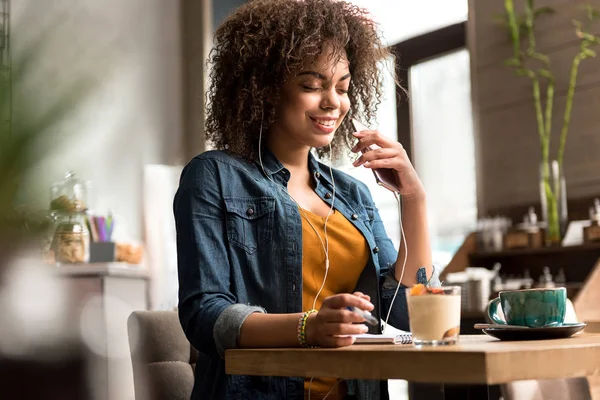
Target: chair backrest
[[163, 359]]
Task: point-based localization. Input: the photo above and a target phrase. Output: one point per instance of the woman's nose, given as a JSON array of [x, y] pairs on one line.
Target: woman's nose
[[330, 99]]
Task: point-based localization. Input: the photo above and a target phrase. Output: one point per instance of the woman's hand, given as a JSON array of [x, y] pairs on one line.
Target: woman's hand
[[389, 154], [332, 325]]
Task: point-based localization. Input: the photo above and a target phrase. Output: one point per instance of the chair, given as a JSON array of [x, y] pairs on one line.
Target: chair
[[551, 389], [163, 359]]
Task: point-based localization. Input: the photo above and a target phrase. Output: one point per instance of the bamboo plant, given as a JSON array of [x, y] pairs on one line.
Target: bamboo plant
[[528, 62]]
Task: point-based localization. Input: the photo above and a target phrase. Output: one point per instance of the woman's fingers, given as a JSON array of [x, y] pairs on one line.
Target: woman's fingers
[[329, 315], [338, 341], [362, 296], [347, 300], [368, 138], [395, 157], [334, 329], [335, 323]]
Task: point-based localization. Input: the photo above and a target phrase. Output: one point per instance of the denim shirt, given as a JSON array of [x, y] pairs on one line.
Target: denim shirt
[[239, 246]]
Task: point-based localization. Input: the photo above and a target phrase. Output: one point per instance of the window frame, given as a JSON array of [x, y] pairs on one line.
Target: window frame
[[411, 52]]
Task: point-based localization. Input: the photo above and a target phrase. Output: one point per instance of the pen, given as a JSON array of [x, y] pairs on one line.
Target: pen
[[371, 320]]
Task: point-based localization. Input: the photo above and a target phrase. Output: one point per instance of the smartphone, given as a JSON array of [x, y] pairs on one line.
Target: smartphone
[[384, 176]]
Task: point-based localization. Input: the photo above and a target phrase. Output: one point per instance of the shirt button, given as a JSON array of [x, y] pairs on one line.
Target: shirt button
[[327, 195], [250, 211], [354, 216], [317, 175], [376, 250]]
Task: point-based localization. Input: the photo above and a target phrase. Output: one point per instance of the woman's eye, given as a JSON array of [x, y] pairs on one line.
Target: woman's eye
[[342, 91], [310, 88]]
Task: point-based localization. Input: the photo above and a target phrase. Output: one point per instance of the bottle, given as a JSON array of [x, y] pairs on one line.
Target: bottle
[[561, 278], [71, 242], [546, 279], [527, 280], [68, 206], [591, 233], [70, 195], [533, 230]]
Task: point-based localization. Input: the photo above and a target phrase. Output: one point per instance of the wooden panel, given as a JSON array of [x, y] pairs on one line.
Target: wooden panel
[[196, 33], [499, 87], [552, 31], [476, 359], [507, 144], [510, 152]]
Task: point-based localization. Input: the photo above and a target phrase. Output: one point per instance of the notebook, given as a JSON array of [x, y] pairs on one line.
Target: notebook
[[398, 337]]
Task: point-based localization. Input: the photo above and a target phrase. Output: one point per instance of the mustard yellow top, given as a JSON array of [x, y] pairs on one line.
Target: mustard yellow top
[[348, 255]]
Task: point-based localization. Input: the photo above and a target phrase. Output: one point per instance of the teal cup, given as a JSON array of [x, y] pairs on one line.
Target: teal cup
[[533, 308]]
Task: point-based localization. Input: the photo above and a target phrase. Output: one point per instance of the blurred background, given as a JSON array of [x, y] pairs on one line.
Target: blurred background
[[101, 104]]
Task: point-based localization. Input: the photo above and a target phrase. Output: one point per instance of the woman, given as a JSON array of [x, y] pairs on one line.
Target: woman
[[266, 234]]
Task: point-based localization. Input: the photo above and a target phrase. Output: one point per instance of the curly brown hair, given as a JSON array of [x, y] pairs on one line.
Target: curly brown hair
[[264, 43]]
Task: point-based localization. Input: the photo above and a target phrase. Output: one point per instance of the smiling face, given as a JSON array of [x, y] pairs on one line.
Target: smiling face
[[312, 105]]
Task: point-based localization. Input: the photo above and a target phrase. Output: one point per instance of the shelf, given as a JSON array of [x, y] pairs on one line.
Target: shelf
[[103, 269], [540, 251], [576, 261]]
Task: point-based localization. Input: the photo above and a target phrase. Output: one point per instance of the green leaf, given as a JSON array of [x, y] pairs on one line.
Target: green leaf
[[589, 52], [546, 73], [512, 62], [541, 57]]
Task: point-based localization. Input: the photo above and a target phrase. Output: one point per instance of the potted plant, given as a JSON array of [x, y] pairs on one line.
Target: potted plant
[[528, 62]]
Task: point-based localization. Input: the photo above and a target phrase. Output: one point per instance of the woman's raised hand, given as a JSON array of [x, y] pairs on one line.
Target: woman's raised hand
[[389, 154]]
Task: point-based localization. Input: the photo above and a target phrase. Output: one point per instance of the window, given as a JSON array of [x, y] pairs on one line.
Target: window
[[403, 19], [436, 122], [386, 124], [443, 149]]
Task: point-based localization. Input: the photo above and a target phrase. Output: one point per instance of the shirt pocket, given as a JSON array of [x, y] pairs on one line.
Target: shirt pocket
[[249, 221]]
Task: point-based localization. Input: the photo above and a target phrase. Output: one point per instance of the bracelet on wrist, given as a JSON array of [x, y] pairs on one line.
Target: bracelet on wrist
[[302, 328]]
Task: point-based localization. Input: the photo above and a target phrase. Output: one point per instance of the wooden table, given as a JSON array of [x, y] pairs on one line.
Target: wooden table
[[477, 359]]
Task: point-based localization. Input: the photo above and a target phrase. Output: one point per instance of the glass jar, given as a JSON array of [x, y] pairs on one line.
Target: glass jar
[[70, 195], [71, 243]]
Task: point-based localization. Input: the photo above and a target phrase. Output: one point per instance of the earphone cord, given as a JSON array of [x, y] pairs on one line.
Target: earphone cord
[[324, 244]]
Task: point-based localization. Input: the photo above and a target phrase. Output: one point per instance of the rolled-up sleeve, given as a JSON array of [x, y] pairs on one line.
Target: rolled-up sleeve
[[208, 310]]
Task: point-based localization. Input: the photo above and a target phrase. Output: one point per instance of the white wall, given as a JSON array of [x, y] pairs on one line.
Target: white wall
[[133, 48]]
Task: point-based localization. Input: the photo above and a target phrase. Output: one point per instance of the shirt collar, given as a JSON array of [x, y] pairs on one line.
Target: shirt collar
[[317, 169], [272, 165]]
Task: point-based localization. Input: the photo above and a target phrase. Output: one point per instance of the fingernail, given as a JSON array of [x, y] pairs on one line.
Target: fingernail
[[356, 133], [365, 329], [355, 163]]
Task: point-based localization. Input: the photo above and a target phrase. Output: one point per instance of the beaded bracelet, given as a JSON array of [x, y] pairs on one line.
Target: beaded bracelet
[[302, 328]]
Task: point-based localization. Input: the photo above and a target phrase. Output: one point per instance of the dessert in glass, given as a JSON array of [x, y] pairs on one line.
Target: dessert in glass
[[434, 314]]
